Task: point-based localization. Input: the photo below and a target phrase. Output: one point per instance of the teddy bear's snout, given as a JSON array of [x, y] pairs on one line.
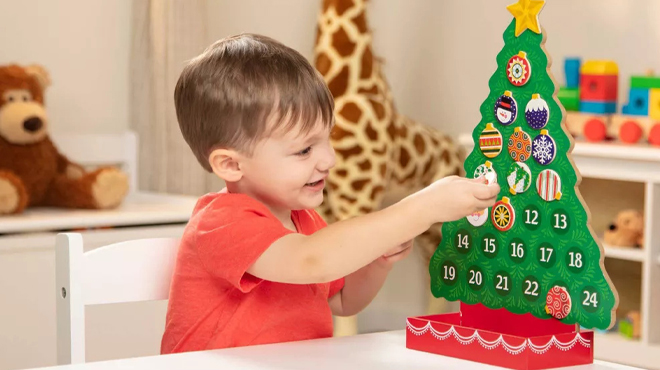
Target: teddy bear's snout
[[33, 124], [612, 227]]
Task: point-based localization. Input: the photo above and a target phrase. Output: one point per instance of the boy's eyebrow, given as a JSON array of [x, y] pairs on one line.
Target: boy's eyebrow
[[308, 139]]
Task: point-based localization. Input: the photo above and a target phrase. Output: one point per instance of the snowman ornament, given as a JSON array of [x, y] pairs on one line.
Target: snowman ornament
[[506, 109]]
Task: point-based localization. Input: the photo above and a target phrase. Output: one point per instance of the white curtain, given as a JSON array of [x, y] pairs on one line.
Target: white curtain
[[166, 33]]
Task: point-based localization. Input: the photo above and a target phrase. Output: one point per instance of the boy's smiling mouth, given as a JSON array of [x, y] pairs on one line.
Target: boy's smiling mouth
[[315, 185]]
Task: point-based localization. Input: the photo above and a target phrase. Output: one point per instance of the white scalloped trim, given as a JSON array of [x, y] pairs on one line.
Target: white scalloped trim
[[514, 350]]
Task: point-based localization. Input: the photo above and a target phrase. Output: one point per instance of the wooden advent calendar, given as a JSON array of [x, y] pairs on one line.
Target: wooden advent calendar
[[528, 271]]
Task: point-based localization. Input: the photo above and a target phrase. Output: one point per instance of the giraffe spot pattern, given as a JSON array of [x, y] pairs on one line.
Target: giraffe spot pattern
[[392, 131], [403, 131], [371, 133], [323, 63], [383, 169], [359, 184], [365, 165], [343, 5], [367, 63], [360, 22], [404, 158], [364, 209], [341, 173], [350, 152], [420, 146], [338, 133], [342, 43], [351, 112], [377, 191], [379, 109], [339, 83], [347, 198]]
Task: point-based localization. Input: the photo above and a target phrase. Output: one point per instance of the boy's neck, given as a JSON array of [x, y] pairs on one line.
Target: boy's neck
[[282, 214]]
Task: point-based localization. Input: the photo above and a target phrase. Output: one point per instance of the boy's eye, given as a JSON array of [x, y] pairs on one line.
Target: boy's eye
[[305, 151]]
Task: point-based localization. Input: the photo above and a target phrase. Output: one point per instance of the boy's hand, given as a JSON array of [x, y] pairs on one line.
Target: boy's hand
[[453, 197]]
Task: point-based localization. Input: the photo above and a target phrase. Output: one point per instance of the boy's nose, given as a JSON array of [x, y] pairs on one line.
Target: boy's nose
[[328, 161]]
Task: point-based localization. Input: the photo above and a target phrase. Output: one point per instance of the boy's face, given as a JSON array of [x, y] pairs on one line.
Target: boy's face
[[287, 170]]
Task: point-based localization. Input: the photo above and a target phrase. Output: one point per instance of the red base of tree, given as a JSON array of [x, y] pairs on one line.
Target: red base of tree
[[500, 338]]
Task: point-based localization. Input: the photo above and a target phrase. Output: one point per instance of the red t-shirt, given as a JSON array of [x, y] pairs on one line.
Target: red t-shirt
[[215, 303]]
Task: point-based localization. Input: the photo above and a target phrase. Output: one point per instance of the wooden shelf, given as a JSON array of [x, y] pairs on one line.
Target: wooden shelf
[[613, 347], [624, 253]]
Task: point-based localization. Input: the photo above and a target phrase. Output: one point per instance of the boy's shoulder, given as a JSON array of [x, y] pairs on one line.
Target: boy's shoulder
[[229, 204], [221, 207]]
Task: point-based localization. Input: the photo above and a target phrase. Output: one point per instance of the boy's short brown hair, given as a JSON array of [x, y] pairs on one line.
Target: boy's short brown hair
[[225, 96]]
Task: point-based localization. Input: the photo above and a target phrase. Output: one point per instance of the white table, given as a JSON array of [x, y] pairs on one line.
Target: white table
[[381, 351]]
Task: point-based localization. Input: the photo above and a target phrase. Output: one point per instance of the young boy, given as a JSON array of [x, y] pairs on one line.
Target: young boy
[[256, 263]]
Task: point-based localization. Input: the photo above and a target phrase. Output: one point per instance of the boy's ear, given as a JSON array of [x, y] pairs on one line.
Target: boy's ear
[[225, 164]]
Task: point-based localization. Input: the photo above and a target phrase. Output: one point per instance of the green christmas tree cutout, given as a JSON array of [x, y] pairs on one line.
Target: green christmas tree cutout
[[535, 252]]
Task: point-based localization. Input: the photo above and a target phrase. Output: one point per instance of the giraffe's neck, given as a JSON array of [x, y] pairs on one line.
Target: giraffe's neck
[[343, 48]]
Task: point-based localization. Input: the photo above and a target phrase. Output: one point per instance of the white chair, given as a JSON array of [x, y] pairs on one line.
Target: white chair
[[131, 271]]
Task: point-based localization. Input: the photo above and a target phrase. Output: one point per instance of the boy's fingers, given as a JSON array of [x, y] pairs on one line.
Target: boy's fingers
[[482, 204], [484, 192], [479, 180]]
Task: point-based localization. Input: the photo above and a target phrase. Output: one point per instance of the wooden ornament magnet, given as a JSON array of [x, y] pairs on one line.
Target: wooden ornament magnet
[[548, 185], [503, 215], [519, 178], [519, 70], [537, 112], [490, 141], [544, 148], [506, 109], [520, 145], [487, 171]]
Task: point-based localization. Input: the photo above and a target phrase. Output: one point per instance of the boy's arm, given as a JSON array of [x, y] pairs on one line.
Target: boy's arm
[[361, 287], [346, 246]]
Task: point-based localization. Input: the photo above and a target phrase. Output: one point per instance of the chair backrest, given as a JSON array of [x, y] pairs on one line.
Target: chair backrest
[[93, 150], [131, 271]]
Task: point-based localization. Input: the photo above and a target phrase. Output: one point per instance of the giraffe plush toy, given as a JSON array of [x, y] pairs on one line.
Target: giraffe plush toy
[[382, 155]]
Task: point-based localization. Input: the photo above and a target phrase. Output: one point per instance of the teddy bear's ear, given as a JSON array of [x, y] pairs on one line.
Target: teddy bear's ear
[[40, 74]]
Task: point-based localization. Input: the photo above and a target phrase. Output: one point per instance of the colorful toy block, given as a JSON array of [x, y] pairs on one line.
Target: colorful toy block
[[572, 72], [599, 81], [654, 104], [645, 82], [638, 102], [569, 98], [598, 107]]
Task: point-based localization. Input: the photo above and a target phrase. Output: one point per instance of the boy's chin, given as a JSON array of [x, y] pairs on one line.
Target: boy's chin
[[312, 202]]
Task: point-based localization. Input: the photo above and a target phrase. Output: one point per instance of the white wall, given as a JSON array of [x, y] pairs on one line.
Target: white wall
[[85, 45]]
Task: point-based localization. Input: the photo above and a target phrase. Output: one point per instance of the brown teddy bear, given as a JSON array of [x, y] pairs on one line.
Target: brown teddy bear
[[32, 171], [627, 230]]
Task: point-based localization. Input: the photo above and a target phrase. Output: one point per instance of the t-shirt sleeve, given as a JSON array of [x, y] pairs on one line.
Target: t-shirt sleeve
[[232, 234]]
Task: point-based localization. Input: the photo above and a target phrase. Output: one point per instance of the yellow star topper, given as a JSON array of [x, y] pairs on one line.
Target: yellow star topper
[[526, 13]]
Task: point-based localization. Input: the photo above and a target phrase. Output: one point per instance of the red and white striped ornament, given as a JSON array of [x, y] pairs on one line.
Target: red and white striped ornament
[[548, 185]]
